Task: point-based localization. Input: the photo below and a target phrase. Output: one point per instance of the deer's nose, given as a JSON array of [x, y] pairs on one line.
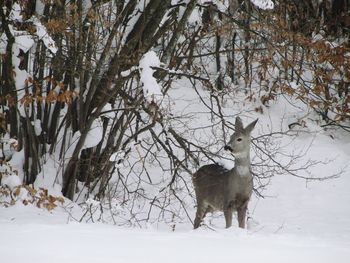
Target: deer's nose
[[228, 148]]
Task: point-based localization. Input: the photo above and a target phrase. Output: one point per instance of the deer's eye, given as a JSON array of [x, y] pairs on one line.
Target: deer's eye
[[239, 139]]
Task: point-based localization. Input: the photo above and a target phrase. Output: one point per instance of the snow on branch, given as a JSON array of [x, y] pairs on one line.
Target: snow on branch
[[151, 89], [43, 35], [15, 14], [22, 38], [263, 4]]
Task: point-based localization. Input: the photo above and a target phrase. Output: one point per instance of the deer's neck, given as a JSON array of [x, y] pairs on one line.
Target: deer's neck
[[242, 165]]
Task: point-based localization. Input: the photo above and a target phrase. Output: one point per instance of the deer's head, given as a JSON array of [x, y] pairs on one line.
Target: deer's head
[[239, 143]]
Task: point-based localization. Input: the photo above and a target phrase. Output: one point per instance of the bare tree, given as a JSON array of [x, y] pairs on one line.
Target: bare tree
[[91, 82]]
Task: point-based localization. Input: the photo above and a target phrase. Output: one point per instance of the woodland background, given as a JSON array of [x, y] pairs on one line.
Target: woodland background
[[87, 91]]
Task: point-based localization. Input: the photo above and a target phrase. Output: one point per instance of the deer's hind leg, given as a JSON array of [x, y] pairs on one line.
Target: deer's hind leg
[[241, 213], [202, 210]]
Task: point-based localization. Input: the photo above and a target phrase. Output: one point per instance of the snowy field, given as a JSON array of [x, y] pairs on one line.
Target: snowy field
[[101, 243], [29, 235], [297, 221], [307, 225]]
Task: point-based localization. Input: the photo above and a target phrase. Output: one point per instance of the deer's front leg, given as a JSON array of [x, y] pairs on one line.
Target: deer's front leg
[[241, 213], [228, 211]]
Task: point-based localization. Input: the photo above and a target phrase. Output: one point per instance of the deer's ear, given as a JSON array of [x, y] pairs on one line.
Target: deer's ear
[[239, 125], [250, 127]]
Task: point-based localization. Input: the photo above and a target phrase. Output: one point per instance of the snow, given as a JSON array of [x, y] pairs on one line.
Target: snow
[[195, 17], [175, 2], [23, 39], [94, 135], [20, 79], [44, 36], [263, 4], [82, 243], [151, 89], [37, 127], [11, 181], [15, 14], [317, 37], [117, 156], [297, 221], [107, 111], [24, 42], [9, 146], [3, 41], [48, 178]]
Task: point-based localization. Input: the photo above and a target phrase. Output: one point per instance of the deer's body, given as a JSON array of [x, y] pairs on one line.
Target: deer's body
[[220, 189]]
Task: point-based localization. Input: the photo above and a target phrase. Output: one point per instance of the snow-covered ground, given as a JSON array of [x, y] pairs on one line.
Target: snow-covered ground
[[27, 236], [103, 243], [297, 221]]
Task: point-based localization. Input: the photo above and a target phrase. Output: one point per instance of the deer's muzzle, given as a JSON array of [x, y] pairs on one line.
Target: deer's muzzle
[[228, 148]]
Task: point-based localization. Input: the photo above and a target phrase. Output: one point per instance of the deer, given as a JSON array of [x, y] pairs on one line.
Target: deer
[[228, 191]]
